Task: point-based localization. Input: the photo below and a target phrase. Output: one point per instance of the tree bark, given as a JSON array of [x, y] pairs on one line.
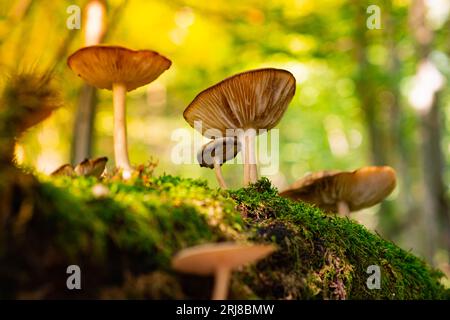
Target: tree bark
[[374, 114], [366, 90], [436, 211], [399, 142], [84, 124], [435, 205]]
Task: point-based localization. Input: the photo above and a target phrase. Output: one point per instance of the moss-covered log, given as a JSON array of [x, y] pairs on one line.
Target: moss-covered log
[[123, 234]]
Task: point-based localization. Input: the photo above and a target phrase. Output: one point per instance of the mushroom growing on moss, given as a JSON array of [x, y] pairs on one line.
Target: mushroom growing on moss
[[242, 105], [219, 259], [120, 70], [344, 192], [87, 167], [64, 170], [91, 167], [215, 153]]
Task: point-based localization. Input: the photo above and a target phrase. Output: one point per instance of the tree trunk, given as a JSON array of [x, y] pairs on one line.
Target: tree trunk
[[435, 206], [365, 89], [84, 124], [399, 145], [435, 202], [374, 113]]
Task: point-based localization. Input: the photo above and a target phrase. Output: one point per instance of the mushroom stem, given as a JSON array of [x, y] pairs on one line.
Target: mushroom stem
[[222, 279], [243, 139], [120, 127], [218, 172], [250, 168], [253, 167], [246, 174], [343, 209]]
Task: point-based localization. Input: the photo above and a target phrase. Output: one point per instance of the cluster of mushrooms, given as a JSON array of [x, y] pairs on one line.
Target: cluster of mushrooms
[[88, 168], [232, 113], [255, 100]]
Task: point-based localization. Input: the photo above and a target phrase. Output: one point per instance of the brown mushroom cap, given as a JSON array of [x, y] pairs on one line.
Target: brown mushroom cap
[[226, 149], [206, 259], [91, 167], [254, 99], [360, 189], [64, 170], [102, 66]]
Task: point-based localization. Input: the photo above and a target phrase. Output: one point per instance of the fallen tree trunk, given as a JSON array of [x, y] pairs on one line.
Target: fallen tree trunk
[[122, 235]]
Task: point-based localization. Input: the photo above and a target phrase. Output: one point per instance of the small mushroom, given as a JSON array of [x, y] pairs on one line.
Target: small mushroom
[[219, 259], [64, 170], [91, 167], [87, 167], [245, 103], [344, 192], [215, 153], [120, 70]]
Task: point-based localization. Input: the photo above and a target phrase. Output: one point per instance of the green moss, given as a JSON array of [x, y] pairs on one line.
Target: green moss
[[124, 237], [337, 250]]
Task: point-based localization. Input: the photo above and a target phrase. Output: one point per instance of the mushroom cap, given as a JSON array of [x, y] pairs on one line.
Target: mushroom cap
[[226, 149], [102, 66], [91, 167], [64, 170], [254, 99], [360, 189], [206, 259]]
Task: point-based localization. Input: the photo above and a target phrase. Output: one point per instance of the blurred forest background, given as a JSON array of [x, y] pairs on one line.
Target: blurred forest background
[[364, 96]]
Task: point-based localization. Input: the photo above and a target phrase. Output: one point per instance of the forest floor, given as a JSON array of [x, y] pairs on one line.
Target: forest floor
[[123, 234]]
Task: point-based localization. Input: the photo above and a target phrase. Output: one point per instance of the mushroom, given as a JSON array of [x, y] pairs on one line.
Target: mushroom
[[87, 167], [215, 153], [244, 104], [91, 167], [64, 170], [120, 70], [219, 259], [344, 192]]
